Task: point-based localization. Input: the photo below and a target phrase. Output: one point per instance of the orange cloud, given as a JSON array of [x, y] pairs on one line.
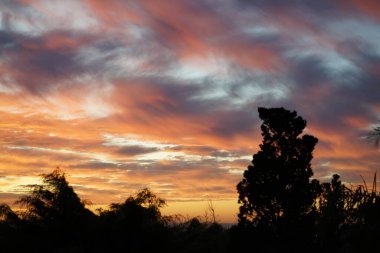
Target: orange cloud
[[124, 95]]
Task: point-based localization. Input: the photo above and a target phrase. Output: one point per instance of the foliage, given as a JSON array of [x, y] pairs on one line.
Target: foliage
[[336, 206], [54, 200], [375, 135], [7, 215], [277, 185], [144, 207]]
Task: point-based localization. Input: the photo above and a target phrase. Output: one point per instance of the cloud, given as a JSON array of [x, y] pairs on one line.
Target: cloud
[[135, 93]]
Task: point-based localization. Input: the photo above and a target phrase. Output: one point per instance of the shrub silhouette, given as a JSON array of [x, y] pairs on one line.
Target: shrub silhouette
[[337, 205]]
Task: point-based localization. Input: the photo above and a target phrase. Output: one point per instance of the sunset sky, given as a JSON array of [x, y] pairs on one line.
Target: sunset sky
[[164, 94]]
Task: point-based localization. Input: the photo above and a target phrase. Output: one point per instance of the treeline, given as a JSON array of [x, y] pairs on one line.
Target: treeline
[[342, 219], [55, 219], [282, 209]]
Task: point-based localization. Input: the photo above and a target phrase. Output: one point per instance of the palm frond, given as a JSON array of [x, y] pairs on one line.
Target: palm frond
[[375, 136]]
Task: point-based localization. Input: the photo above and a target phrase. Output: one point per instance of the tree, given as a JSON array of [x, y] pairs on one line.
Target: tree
[[55, 219], [7, 215], [54, 200], [210, 212], [144, 207], [133, 223], [276, 186]]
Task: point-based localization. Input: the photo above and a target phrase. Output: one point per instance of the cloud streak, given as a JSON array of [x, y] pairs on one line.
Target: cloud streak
[[126, 94]]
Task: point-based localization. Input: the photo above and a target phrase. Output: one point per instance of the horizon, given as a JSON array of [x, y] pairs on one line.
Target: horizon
[[123, 95]]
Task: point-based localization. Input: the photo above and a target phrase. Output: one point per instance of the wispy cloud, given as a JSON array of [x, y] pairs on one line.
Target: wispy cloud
[[165, 94]]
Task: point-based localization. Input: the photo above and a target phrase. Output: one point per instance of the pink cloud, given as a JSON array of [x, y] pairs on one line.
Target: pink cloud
[[124, 95]]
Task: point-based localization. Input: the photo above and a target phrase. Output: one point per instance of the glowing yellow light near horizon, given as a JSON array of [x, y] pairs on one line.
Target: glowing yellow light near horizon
[[225, 210], [14, 184]]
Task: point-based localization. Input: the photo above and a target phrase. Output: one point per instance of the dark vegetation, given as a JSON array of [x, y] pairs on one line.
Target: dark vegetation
[[375, 135], [282, 209]]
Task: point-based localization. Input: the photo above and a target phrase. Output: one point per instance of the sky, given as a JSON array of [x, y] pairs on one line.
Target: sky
[[123, 95]]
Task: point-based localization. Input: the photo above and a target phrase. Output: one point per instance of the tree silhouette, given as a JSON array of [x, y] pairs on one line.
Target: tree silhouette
[[7, 215], [276, 196], [54, 218], [54, 200], [133, 223], [277, 184], [144, 207]]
